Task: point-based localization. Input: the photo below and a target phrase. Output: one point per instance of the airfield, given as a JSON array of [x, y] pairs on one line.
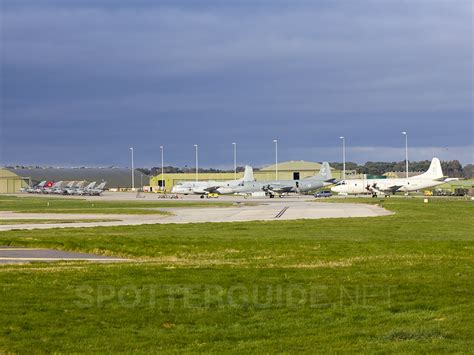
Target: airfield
[[123, 272], [239, 210]]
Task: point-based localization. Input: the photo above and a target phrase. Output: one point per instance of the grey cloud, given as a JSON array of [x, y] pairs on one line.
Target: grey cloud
[[182, 73]]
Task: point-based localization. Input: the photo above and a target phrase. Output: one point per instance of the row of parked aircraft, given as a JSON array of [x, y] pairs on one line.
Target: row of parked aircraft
[[248, 186], [376, 187], [78, 188]]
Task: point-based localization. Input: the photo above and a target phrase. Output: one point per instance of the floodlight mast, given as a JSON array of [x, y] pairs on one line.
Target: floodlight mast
[[162, 169], [406, 152], [197, 162], [235, 160], [133, 171], [276, 158], [343, 157]]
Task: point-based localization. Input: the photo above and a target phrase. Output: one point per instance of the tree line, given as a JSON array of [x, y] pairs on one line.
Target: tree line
[[452, 168]]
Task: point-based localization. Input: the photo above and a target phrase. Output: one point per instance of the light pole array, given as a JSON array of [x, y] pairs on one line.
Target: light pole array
[[343, 157], [276, 158], [133, 172], [406, 152], [235, 160], [162, 169], [197, 163]]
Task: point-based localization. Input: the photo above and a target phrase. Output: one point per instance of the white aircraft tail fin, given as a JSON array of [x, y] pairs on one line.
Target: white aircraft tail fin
[[102, 185], [91, 185], [248, 174], [434, 171], [325, 171]]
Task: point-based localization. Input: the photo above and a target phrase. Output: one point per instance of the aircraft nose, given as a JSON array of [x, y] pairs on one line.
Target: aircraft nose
[[335, 189]]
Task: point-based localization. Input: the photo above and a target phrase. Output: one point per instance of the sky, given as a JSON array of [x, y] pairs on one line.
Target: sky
[[83, 80]]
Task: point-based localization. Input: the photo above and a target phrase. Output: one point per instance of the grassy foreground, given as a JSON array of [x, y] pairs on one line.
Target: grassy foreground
[[72, 205], [399, 283]]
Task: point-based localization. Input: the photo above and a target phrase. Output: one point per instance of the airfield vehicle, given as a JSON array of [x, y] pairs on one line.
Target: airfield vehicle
[[325, 193]]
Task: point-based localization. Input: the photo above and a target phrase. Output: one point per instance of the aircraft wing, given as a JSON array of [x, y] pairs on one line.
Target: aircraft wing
[[277, 188], [383, 190], [393, 188], [212, 189]]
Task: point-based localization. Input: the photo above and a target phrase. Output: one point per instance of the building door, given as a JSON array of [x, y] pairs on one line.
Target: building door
[[296, 175]]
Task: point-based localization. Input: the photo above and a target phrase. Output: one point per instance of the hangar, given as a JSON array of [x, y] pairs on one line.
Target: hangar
[[12, 179], [290, 170], [10, 182]]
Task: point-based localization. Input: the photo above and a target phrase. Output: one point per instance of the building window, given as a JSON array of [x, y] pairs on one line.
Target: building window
[[296, 175]]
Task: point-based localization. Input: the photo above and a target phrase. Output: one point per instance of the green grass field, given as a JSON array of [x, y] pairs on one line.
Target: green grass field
[[82, 206], [399, 283]]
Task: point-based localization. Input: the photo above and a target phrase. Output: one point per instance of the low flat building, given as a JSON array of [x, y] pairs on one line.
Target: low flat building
[[12, 179]]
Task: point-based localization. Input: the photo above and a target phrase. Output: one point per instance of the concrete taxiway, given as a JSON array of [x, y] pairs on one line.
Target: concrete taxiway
[[278, 209]]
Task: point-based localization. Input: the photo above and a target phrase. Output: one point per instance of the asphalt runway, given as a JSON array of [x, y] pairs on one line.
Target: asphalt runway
[[265, 210], [13, 255]]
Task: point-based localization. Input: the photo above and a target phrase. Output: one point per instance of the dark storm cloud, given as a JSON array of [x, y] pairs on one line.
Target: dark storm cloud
[[83, 80]]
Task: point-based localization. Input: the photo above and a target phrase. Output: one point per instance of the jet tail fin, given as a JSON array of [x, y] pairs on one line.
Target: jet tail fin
[[90, 186], [434, 171], [324, 173], [248, 174], [102, 185]]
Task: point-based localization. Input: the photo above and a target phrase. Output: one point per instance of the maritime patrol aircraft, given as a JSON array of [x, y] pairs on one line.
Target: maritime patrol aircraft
[[281, 187], [207, 187], [432, 177]]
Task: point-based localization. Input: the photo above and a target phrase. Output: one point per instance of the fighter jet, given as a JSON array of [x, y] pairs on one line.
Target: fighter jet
[[53, 188], [85, 190], [281, 187], [34, 189], [63, 190], [96, 191], [433, 177], [73, 189]]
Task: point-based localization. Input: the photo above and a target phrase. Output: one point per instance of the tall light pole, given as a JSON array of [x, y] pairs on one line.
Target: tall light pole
[[276, 158], [343, 157], [197, 163], [406, 152], [162, 169], [235, 160], [133, 171]]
